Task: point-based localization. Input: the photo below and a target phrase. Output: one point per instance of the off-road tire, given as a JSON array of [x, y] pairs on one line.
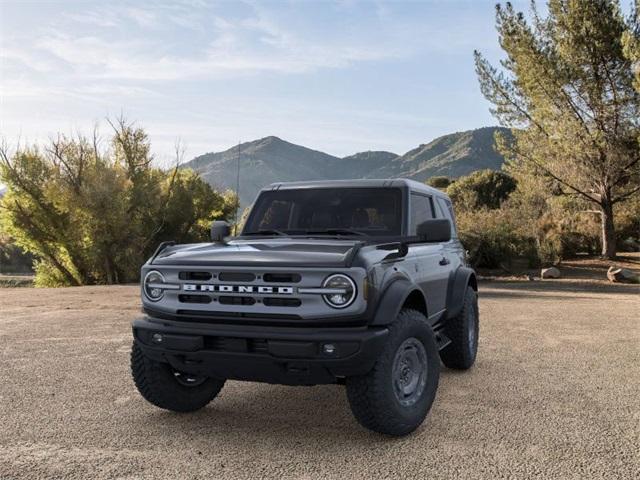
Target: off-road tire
[[156, 382], [461, 353], [371, 396]]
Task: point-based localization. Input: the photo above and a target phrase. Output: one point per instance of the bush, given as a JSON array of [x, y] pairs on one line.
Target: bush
[[93, 217], [484, 188], [440, 183], [493, 240]]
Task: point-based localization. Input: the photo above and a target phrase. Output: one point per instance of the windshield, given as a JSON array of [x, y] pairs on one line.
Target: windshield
[[330, 211]]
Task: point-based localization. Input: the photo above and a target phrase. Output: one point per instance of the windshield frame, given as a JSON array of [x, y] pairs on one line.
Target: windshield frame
[[361, 235]]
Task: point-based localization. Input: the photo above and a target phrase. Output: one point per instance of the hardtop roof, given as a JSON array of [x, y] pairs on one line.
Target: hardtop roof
[[358, 183]]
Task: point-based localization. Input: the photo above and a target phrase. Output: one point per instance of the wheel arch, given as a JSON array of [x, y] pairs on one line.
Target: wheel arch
[[402, 293], [463, 277]]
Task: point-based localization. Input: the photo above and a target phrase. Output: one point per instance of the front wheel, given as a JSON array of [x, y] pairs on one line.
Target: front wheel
[[396, 395], [170, 389]]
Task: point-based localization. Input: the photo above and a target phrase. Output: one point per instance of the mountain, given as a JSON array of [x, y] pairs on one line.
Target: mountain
[[262, 162], [360, 164], [453, 155], [272, 159]]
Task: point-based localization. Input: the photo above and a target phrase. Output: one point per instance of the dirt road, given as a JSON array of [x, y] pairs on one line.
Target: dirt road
[[554, 394]]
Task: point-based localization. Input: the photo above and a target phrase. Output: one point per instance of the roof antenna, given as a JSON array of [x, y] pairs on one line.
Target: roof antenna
[[235, 220]]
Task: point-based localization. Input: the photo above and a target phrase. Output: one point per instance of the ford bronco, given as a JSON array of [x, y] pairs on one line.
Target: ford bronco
[[359, 282]]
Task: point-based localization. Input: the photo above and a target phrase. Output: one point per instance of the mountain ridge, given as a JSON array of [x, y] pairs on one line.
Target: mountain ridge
[[271, 159]]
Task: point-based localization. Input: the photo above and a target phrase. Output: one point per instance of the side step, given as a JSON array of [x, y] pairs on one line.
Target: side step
[[442, 340]]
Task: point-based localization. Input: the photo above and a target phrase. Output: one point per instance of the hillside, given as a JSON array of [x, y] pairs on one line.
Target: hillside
[[262, 162], [452, 155], [272, 159]]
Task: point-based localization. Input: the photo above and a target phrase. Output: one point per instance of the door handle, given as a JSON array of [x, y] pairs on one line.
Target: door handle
[[444, 261]]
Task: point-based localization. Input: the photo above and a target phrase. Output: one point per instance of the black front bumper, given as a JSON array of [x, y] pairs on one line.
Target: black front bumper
[[290, 356]]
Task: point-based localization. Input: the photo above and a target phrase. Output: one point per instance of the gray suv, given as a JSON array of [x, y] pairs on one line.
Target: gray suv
[[357, 282]]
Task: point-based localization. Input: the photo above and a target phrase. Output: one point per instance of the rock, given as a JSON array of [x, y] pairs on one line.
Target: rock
[[621, 275], [551, 272]]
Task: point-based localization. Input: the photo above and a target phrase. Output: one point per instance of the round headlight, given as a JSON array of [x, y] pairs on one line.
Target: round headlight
[[344, 291], [151, 287]]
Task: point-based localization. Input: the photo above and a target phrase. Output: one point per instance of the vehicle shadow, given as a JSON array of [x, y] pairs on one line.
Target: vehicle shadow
[[267, 415]]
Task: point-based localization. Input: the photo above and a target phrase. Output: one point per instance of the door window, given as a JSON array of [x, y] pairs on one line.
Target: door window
[[421, 210], [447, 211]]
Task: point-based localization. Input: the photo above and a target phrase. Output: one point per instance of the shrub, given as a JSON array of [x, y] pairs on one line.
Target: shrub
[[484, 188], [493, 240], [91, 216], [440, 183]]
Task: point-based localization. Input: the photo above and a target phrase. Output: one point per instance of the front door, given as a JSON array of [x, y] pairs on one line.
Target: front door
[[430, 261]]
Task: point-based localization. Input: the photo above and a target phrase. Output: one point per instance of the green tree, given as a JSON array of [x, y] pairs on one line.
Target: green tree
[[92, 215], [484, 188], [439, 182], [566, 89], [631, 42]]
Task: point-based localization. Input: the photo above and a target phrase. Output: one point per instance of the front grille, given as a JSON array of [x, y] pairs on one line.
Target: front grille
[[236, 277], [230, 300], [282, 277], [197, 276], [194, 298], [282, 302]]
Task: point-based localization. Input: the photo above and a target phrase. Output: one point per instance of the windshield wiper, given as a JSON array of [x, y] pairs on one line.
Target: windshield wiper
[[266, 232], [336, 231]]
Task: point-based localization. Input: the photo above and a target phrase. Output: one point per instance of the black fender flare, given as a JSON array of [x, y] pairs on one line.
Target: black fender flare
[[463, 277], [392, 300]]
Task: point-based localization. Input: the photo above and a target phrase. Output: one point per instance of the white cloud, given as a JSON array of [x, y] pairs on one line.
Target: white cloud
[[199, 67]]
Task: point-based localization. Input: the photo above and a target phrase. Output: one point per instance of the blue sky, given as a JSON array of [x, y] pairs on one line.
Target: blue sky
[[341, 76]]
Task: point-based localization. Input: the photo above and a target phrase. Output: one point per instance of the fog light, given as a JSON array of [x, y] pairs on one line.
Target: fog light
[[329, 348], [157, 338]]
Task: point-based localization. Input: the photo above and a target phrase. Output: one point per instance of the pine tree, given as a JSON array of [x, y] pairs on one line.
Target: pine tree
[[566, 88]]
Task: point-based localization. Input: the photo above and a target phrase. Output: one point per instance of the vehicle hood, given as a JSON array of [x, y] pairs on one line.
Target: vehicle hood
[[286, 252]]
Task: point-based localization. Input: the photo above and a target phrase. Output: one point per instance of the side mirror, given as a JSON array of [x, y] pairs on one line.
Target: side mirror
[[219, 231], [434, 230]]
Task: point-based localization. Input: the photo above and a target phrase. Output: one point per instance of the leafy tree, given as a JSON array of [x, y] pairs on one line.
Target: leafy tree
[[484, 188], [92, 215], [566, 88], [631, 41], [439, 182]]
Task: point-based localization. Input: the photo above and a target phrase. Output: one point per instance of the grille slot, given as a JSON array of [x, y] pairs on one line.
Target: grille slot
[[236, 277], [229, 300], [194, 298], [282, 277], [258, 345], [230, 344], [282, 302], [197, 276], [195, 315]]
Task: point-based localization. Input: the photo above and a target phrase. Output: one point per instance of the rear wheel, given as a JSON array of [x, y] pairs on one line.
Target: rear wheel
[[463, 332], [395, 396], [168, 388]]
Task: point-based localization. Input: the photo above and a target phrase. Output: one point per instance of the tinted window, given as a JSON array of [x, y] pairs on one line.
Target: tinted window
[[372, 211], [447, 210], [421, 210]]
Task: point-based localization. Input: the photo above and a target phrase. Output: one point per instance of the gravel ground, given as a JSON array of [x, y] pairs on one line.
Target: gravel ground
[[554, 394]]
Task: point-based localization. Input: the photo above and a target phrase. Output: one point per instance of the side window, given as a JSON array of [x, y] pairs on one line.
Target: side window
[[421, 210], [447, 210]]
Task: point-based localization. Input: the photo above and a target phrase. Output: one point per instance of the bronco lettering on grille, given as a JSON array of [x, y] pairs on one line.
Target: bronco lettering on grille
[[192, 287]]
